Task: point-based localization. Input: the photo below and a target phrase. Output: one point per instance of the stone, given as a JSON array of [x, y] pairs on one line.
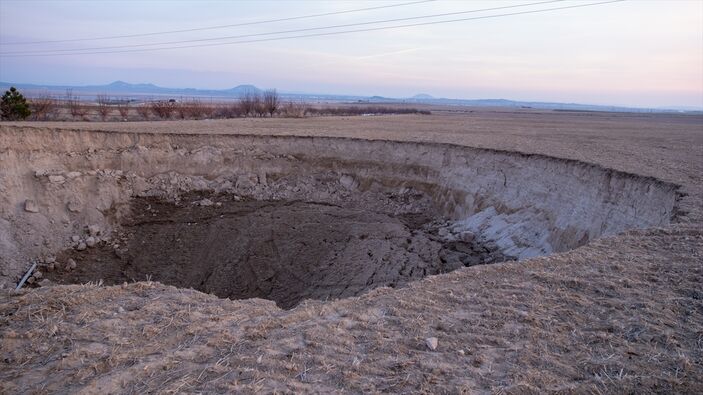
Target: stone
[[348, 182], [75, 238], [204, 203], [467, 237], [57, 179], [431, 343], [37, 274], [81, 246], [73, 207], [45, 282], [30, 206], [73, 174], [90, 241], [120, 309], [93, 230], [70, 264]]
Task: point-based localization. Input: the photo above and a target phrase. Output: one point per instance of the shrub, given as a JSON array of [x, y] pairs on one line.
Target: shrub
[[163, 108], [14, 106]]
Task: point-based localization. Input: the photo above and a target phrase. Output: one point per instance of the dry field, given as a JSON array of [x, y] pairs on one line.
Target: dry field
[[618, 314]]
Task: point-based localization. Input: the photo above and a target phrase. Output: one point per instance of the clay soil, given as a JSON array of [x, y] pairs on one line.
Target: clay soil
[[622, 314], [285, 251]]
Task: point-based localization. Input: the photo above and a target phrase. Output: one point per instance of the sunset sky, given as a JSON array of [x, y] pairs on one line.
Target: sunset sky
[[633, 53]]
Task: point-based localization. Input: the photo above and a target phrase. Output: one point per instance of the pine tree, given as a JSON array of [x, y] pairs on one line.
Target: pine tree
[[14, 106]]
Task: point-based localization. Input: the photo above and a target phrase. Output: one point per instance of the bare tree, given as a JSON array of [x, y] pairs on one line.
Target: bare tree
[[74, 105], [247, 102], [43, 107], [258, 105], [103, 106], [143, 111], [271, 101], [123, 108]]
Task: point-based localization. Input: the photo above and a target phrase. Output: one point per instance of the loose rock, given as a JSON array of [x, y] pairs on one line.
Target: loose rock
[[70, 264], [75, 238], [73, 207], [431, 343], [57, 179], [81, 246], [30, 206], [93, 230], [90, 241]]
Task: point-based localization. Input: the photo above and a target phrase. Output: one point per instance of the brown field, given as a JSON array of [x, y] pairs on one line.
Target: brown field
[[619, 314]]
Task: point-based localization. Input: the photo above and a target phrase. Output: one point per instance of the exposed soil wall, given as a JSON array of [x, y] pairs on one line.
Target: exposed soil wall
[[54, 184]]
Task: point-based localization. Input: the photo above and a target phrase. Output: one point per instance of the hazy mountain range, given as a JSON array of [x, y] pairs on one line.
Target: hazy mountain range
[[145, 91]]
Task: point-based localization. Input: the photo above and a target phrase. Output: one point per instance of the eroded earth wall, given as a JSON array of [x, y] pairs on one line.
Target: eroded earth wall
[[54, 183]]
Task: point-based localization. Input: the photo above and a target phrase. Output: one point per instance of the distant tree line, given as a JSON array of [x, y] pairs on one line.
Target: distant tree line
[[250, 104]]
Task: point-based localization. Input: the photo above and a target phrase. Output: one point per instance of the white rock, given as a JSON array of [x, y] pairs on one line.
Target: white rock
[[205, 202], [120, 309], [431, 343], [30, 206], [57, 179], [81, 246], [75, 238], [90, 241]]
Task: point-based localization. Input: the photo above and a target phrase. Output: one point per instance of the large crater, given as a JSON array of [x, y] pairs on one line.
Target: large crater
[[292, 218]]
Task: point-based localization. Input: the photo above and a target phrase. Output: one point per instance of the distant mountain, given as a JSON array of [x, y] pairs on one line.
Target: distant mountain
[[125, 89], [145, 91]]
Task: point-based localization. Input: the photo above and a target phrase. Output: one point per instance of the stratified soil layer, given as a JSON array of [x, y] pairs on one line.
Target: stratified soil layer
[[285, 251]]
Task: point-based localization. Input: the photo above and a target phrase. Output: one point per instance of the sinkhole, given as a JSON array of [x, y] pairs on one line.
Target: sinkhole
[[294, 218]]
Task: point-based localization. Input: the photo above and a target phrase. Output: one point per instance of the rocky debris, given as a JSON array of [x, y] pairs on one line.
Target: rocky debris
[[81, 246], [75, 238], [30, 206], [93, 230], [431, 343], [70, 264], [45, 282], [73, 207], [90, 241], [73, 174], [57, 179], [204, 203], [37, 274], [246, 181]]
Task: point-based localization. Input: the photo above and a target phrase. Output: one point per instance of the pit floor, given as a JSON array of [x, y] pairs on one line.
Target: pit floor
[[285, 251]]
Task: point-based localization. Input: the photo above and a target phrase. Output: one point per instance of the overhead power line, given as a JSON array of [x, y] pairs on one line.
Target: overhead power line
[[325, 33], [197, 29], [102, 48]]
